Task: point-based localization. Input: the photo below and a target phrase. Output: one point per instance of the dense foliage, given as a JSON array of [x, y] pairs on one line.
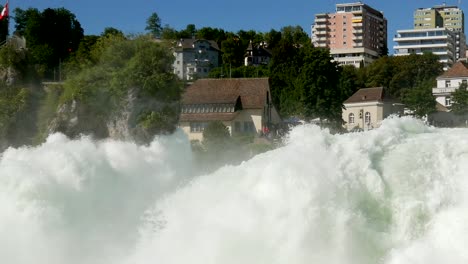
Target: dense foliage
[[460, 100], [51, 36], [138, 67], [407, 78]]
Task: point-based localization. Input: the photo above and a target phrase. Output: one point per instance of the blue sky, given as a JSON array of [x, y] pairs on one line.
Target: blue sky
[[260, 15]]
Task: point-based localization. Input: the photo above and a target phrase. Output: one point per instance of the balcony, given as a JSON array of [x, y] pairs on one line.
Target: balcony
[[444, 90], [357, 38], [318, 26], [321, 20], [357, 25], [358, 31]]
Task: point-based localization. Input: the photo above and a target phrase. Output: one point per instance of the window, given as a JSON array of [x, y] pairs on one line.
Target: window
[[197, 127], [237, 126], [367, 117], [249, 127], [448, 101], [351, 118], [447, 83]]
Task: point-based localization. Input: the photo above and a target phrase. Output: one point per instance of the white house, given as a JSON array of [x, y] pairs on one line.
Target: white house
[[194, 58], [243, 105], [367, 107], [447, 83]]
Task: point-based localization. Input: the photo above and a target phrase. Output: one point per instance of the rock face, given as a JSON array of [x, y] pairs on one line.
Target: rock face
[[123, 122]]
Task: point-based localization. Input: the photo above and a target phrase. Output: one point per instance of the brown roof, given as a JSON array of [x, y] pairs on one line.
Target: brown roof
[[459, 69], [252, 92], [441, 108], [208, 117], [188, 43], [367, 95]]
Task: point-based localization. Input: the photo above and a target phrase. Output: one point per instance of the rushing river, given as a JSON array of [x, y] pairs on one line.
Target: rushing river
[[397, 194]]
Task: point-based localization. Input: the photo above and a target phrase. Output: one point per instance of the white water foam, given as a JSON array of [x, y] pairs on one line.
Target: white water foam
[[391, 195]]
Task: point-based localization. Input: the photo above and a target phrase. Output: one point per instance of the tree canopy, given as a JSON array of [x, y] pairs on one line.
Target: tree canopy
[[51, 35]]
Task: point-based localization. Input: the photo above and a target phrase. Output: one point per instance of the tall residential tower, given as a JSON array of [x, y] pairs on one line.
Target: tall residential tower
[[356, 34], [439, 29]]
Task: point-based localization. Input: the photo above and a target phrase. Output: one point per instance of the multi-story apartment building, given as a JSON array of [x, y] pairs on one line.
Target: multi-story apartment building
[[356, 33], [194, 58], [439, 41], [450, 17], [437, 17]]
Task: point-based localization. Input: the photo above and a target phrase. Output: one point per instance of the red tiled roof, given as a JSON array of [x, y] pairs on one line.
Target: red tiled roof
[[459, 69], [252, 92], [208, 117], [367, 95]]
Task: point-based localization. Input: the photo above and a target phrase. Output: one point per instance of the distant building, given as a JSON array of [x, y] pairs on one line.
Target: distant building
[[356, 34], [439, 41], [366, 108], [450, 81], [447, 83], [243, 105], [194, 58], [432, 21], [257, 55]]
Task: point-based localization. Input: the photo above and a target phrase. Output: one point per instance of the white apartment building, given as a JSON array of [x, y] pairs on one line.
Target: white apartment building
[[356, 34], [439, 41], [194, 58]]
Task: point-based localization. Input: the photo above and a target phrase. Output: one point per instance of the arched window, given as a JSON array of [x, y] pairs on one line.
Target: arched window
[[367, 119], [351, 118]]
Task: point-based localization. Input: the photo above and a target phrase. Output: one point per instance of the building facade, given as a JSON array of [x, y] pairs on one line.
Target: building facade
[[439, 41], [449, 82], [356, 34], [194, 58], [257, 55], [366, 109], [443, 16], [243, 105]]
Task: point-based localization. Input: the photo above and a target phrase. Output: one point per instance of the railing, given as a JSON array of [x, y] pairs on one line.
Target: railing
[[444, 90]]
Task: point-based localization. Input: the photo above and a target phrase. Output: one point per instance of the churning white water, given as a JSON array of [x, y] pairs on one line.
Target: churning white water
[[393, 195]]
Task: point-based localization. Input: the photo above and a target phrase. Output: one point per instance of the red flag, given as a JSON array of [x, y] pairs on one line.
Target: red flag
[[4, 12]]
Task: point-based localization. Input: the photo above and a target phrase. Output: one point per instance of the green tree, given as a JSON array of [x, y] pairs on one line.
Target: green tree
[[319, 77], [168, 33], [233, 51], [52, 35], [420, 99], [460, 100], [153, 25], [140, 66], [112, 31], [215, 136]]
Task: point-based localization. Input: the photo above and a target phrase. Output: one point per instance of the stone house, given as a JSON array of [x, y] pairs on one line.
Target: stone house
[[243, 105], [194, 58], [367, 107]]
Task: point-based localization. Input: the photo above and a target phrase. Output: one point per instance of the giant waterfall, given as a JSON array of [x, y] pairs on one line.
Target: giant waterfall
[[392, 195]]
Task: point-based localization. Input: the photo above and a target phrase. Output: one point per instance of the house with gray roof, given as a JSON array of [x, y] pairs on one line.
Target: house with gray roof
[[256, 55], [367, 107], [243, 105], [194, 58]]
